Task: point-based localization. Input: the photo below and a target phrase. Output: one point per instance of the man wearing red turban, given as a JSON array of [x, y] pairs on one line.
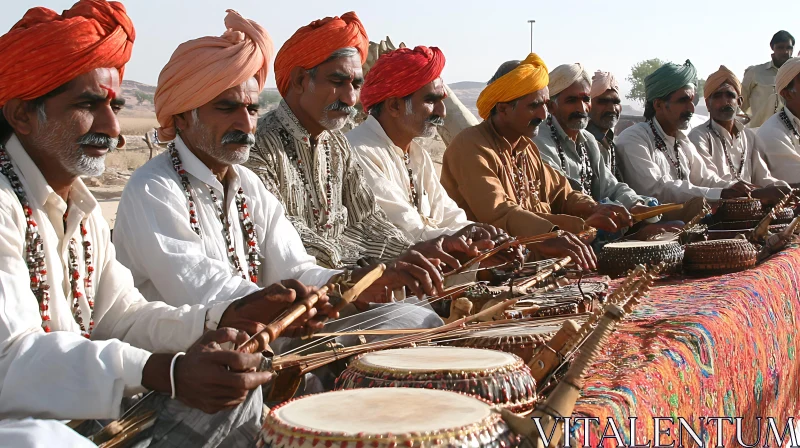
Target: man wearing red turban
[[302, 156], [76, 335], [404, 94]]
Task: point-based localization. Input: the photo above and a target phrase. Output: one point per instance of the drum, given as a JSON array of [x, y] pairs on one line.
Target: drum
[[719, 256], [616, 259], [739, 209], [497, 377], [385, 418], [521, 340]]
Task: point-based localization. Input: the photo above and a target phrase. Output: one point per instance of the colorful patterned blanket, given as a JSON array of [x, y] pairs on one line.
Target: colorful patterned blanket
[[703, 347]]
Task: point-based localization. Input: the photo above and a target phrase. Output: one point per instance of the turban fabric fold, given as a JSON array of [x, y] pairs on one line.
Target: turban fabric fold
[[720, 77], [788, 71], [564, 76], [400, 73], [201, 69], [312, 44], [603, 82], [45, 50], [669, 78], [530, 76]]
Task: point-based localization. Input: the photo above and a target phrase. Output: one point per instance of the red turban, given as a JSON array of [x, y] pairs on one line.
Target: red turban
[[400, 73], [45, 50], [312, 44]]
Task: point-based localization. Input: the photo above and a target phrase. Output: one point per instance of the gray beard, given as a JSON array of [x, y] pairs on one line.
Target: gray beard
[[578, 125], [216, 151], [51, 136], [332, 124]]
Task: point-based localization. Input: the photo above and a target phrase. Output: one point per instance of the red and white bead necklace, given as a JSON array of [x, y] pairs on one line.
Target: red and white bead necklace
[[248, 228], [34, 258]]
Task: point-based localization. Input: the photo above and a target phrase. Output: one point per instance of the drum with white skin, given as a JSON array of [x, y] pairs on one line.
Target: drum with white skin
[[385, 418], [499, 378]]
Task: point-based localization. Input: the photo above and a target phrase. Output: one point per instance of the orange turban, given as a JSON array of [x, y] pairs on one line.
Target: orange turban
[[400, 73], [45, 50], [530, 76], [312, 44], [720, 77], [200, 69]]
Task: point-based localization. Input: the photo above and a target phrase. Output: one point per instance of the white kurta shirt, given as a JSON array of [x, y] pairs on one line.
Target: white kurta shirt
[[171, 263], [781, 147], [61, 374], [648, 170], [387, 175], [711, 146]]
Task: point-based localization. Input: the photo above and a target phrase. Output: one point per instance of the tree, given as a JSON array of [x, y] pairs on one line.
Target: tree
[[638, 72], [141, 97]]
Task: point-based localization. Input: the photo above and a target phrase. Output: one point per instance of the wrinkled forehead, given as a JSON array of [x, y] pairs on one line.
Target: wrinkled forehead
[[245, 93], [608, 95], [100, 82], [345, 68], [725, 88]]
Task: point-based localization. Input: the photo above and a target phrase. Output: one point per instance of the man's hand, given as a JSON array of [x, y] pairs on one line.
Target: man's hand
[[208, 377], [412, 270], [738, 190], [609, 217], [652, 231], [770, 195], [568, 244], [443, 247], [253, 312]]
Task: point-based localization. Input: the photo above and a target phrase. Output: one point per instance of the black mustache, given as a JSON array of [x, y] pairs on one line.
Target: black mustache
[[610, 114], [100, 140], [727, 108], [535, 122], [340, 105], [686, 116], [578, 115], [435, 120], [238, 137]]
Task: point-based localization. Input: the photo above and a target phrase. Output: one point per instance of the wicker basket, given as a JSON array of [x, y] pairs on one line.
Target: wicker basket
[[719, 256], [740, 209]]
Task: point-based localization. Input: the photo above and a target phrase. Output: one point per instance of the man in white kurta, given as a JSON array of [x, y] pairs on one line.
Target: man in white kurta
[[729, 149], [781, 133], [665, 164], [387, 174], [76, 337], [396, 167]]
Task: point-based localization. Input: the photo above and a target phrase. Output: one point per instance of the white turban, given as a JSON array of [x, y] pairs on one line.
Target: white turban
[[788, 71], [564, 76], [602, 82]]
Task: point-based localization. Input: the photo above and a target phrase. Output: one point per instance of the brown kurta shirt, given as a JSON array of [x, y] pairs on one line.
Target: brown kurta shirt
[[478, 173]]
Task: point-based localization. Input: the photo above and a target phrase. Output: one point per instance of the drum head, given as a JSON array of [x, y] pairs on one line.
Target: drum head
[[389, 410], [626, 244], [427, 359]]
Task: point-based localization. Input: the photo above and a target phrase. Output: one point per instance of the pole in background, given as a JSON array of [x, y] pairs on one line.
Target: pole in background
[[531, 22]]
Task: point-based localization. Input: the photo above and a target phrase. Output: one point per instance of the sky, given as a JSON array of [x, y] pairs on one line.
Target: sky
[[477, 36]]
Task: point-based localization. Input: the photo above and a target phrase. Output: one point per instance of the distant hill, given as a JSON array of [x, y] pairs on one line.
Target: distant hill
[[467, 85]]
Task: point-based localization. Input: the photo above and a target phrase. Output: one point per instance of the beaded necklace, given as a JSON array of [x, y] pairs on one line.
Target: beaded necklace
[[34, 258], [661, 145], [736, 172], [520, 180], [322, 223], [585, 167], [788, 123], [413, 197], [244, 218], [612, 152]]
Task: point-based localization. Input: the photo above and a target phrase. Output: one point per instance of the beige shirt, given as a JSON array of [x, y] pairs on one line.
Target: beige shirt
[[719, 149], [782, 147], [385, 171], [758, 93]]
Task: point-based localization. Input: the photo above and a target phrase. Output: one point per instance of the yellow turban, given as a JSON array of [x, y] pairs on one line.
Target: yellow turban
[[528, 77], [720, 77]]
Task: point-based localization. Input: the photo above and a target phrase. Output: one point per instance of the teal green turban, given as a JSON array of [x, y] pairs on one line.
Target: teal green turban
[[669, 78]]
